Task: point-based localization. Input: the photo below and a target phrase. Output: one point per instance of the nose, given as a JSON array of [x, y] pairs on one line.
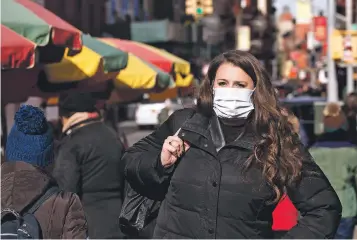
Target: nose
[[233, 85]]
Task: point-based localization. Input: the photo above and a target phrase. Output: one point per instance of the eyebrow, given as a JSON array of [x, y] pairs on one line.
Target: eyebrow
[[223, 79]]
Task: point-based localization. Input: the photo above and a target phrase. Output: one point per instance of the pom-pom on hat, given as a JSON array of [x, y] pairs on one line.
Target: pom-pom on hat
[[30, 139]]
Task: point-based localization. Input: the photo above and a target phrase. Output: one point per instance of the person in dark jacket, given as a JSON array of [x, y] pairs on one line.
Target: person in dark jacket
[[223, 172], [337, 157], [88, 163], [29, 152], [350, 110]]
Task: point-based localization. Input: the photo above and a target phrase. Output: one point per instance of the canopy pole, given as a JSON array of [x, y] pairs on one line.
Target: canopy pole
[[332, 87], [350, 82], [3, 126]]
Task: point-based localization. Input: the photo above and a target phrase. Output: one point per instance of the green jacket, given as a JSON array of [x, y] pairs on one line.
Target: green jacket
[[338, 160]]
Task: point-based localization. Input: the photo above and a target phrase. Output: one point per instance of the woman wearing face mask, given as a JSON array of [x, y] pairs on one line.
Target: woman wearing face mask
[[221, 169]]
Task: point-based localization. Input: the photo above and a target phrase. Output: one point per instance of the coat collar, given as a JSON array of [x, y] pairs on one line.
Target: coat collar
[[210, 129], [198, 123]]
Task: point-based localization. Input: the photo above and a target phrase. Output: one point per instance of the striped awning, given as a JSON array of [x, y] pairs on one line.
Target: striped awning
[[162, 59], [16, 51], [38, 24], [96, 60]]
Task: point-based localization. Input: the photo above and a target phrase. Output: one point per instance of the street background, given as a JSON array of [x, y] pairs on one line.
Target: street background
[[132, 132], [143, 59]]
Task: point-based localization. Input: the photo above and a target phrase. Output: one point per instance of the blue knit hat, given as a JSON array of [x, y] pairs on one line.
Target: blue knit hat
[[30, 139]]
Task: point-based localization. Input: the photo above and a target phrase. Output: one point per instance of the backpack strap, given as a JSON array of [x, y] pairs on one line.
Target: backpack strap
[[49, 192]]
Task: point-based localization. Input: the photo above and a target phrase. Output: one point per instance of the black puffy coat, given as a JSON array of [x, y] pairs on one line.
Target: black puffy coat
[[207, 196], [88, 162]]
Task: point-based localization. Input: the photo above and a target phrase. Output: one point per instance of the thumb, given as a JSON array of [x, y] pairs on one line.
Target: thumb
[[187, 146]]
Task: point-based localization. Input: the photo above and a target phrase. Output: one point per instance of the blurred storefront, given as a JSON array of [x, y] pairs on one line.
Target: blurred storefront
[[87, 15]]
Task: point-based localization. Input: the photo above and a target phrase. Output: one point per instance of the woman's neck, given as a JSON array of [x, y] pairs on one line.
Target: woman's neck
[[233, 121], [232, 128]]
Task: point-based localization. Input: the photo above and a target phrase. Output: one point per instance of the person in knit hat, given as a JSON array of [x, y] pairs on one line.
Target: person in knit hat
[[29, 151], [88, 162], [337, 157], [30, 139], [350, 109]]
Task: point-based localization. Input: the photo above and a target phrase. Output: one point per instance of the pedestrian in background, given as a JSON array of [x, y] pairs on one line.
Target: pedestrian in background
[[88, 163], [222, 174], [350, 110], [297, 126], [24, 179], [111, 119], [337, 157]]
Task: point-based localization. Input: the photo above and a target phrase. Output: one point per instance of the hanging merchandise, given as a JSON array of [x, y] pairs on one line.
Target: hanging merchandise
[[347, 49], [320, 28], [344, 46]]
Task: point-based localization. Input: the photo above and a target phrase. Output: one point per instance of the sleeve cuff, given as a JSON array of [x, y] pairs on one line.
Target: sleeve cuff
[[161, 170]]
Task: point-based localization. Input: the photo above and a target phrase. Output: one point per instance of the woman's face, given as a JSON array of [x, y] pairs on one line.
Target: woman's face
[[230, 76]]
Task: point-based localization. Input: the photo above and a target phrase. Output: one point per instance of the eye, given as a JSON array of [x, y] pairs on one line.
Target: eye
[[240, 85], [222, 83]]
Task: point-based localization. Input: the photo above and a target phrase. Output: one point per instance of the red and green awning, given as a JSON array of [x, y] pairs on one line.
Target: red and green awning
[[140, 74], [38, 24], [16, 51], [164, 60]]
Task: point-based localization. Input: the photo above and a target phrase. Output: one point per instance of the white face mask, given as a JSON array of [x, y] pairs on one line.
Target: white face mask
[[232, 102]]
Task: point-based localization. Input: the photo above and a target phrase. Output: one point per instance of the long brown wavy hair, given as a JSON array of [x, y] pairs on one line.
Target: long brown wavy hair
[[277, 149]]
